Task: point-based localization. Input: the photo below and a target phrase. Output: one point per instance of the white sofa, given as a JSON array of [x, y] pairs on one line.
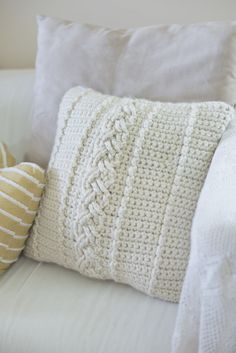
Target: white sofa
[[45, 308]]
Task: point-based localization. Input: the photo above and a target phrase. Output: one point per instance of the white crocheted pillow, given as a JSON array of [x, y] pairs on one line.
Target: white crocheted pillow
[[122, 186]]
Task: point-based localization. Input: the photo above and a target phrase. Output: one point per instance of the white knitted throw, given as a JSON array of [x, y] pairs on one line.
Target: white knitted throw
[[206, 321], [122, 186]]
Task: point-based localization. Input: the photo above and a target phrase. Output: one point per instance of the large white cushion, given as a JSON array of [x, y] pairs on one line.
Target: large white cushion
[[168, 63], [123, 183]]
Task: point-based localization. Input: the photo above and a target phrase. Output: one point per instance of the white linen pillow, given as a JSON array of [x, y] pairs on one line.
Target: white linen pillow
[[122, 186], [174, 63]]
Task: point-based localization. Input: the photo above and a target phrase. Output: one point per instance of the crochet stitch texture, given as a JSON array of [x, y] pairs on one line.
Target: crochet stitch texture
[[122, 187]]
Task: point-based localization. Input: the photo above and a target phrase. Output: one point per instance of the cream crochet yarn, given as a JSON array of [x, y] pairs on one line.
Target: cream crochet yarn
[[122, 186]]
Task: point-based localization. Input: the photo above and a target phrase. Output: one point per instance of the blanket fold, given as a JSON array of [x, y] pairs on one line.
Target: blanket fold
[[206, 320]]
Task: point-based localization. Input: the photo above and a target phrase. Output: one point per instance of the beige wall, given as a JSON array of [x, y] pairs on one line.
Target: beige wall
[[18, 28]]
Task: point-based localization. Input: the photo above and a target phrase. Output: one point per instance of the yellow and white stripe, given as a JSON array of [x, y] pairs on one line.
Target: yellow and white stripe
[[21, 188]]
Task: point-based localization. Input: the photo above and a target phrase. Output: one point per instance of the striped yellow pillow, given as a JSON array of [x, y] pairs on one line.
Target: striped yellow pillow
[[21, 187]]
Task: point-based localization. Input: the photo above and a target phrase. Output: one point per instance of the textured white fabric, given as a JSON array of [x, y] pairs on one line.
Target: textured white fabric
[[48, 309], [206, 320], [16, 96], [175, 63], [123, 182]]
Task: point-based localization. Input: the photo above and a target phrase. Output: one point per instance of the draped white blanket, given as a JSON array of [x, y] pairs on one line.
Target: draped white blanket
[[206, 321]]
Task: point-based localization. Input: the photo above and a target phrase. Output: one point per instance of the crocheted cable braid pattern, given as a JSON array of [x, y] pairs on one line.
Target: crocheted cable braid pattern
[[122, 186]]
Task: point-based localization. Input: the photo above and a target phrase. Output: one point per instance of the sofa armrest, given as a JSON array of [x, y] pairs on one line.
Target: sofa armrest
[[16, 95]]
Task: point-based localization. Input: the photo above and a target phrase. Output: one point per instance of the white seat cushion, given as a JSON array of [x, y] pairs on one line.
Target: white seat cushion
[[46, 308]]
